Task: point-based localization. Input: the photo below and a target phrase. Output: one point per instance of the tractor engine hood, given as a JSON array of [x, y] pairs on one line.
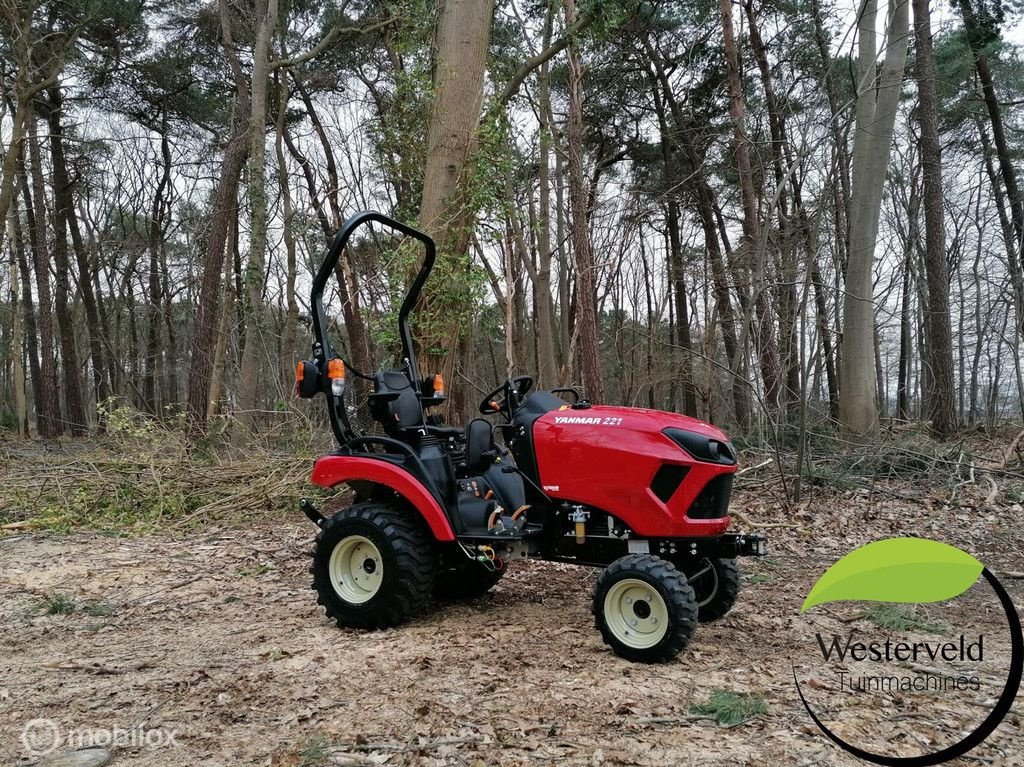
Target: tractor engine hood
[[616, 458]]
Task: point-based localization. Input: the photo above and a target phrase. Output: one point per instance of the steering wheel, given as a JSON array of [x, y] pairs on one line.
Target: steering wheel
[[506, 397]]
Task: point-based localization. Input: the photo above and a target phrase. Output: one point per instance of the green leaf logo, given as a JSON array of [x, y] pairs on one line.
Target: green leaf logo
[[907, 570]]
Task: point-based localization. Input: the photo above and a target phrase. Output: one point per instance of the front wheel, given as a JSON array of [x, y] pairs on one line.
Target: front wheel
[[644, 608], [716, 582], [373, 565]]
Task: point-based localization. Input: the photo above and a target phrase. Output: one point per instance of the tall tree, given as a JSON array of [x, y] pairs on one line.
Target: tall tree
[[767, 349], [981, 25], [586, 288], [49, 420], [255, 350], [939, 335], [878, 92], [461, 37], [224, 209], [545, 330]]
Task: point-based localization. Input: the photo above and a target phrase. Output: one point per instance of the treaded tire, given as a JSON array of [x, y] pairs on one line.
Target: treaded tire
[[408, 558], [467, 580], [673, 588], [717, 590]]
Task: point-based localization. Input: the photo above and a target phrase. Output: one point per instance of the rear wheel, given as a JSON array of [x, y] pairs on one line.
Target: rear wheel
[[644, 608], [716, 583], [373, 565], [466, 580]]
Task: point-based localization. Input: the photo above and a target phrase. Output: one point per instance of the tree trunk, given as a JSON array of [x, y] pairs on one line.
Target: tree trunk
[[825, 331], [543, 325], [151, 373], [692, 168], [348, 286], [12, 157], [255, 354], [768, 351], [976, 40], [682, 308], [906, 340], [220, 350], [942, 404], [842, 194], [291, 327], [28, 308], [65, 205], [877, 98], [71, 374], [461, 39], [49, 421], [787, 242], [586, 288], [224, 209], [17, 340]]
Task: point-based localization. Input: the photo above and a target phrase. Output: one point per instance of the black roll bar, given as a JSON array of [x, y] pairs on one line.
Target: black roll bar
[[322, 349]]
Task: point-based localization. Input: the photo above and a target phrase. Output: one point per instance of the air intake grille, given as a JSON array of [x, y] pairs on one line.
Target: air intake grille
[[667, 480], [713, 501]]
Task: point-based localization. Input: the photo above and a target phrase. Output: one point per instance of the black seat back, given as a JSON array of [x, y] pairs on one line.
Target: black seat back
[[480, 449], [395, 402]]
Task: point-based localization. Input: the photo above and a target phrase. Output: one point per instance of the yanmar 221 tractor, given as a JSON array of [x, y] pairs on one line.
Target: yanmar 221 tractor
[[439, 511]]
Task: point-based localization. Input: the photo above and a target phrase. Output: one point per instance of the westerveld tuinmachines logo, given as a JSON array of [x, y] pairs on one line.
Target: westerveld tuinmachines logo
[[896, 683]]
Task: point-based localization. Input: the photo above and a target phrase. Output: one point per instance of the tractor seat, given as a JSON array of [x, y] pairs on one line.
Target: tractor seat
[[540, 402], [482, 458], [395, 402], [481, 452]]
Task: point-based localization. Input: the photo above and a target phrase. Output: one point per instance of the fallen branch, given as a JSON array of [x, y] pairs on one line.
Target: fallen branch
[[102, 670], [401, 748], [990, 499], [754, 468], [1011, 450], [666, 720]]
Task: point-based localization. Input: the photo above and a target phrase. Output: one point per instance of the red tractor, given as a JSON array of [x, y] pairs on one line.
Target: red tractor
[[441, 511]]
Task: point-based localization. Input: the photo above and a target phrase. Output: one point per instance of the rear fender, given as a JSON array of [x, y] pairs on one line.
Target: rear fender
[[333, 470]]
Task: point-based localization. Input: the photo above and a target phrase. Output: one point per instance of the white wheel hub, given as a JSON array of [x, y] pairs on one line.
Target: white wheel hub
[[635, 613], [356, 569]]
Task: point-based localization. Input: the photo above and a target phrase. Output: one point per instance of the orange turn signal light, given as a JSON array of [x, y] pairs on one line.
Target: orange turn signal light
[[335, 369], [336, 375], [438, 385], [307, 379]]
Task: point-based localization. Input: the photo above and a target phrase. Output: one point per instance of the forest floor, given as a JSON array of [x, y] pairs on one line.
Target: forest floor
[[209, 635]]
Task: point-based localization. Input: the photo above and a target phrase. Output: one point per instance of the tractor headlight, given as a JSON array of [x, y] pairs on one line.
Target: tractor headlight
[[702, 447]]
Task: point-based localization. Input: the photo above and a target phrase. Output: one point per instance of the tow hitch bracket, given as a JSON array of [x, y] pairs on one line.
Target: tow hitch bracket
[[312, 513]]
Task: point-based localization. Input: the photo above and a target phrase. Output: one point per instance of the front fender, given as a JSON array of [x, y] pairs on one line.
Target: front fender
[[333, 470]]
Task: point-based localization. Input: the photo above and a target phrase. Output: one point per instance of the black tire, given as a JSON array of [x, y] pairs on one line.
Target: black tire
[[466, 580], [716, 584], [407, 557], [676, 595]]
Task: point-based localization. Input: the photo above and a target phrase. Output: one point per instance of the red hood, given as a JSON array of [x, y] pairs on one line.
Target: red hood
[[642, 418], [607, 458]]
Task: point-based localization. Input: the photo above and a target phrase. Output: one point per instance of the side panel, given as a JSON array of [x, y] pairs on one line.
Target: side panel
[[332, 470], [606, 457]]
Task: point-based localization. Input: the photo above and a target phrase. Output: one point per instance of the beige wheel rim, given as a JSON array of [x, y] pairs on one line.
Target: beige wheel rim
[[356, 569], [635, 613]]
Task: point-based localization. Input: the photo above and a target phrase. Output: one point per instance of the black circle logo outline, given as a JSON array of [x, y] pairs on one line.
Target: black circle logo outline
[[998, 713]]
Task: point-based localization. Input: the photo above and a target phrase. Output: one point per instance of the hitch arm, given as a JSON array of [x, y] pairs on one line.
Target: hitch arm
[[312, 512]]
